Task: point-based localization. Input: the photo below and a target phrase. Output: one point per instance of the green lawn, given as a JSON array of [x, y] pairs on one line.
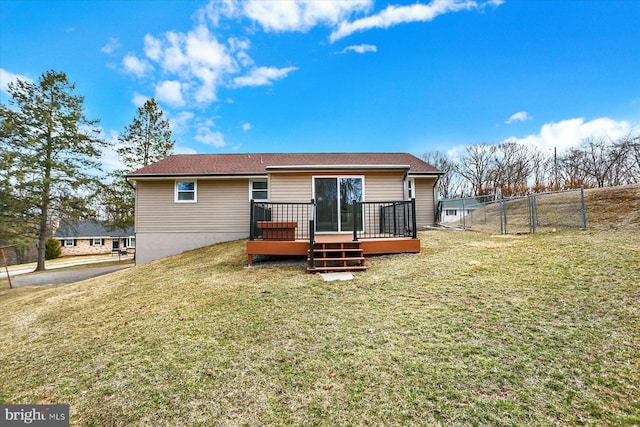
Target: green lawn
[[475, 330]]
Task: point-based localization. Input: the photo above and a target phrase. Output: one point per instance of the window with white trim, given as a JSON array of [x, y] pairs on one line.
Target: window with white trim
[[69, 242], [97, 242], [258, 190], [451, 212], [411, 188], [131, 242], [186, 192]]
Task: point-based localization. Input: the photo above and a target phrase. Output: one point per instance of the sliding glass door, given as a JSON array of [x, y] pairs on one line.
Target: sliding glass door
[[334, 203]]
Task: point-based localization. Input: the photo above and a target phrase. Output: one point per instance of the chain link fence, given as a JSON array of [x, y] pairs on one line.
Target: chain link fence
[[513, 215]]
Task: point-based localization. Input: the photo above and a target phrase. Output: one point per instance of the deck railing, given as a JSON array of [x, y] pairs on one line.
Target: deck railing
[[280, 220], [295, 220], [379, 220]]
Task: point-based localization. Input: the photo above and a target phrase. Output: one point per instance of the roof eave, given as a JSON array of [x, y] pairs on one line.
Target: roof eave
[[288, 168]]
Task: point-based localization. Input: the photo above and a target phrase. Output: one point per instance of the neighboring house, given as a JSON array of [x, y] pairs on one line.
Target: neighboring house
[[454, 210], [188, 201], [92, 238]]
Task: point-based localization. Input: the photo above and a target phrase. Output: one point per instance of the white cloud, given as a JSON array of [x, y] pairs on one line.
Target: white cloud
[[152, 47], [112, 45], [567, 134], [7, 77], [133, 65], [246, 127], [180, 149], [362, 48], [138, 99], [180, 122], [218, 9], [170, 91], [262, 76], [210, 137], [520, 116], [395, 15], [197, 59], [301, 15], [110, 159]]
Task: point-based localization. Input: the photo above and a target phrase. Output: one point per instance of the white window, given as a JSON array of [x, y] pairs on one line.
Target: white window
[[131, 242], [258, 190], [451, 212], [97, 242], [186, 192], [69, 242], [411, 189]]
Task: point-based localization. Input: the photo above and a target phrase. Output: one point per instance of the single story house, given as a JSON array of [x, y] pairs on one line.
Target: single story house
[[454, 210], [283, 202], [93, 238]]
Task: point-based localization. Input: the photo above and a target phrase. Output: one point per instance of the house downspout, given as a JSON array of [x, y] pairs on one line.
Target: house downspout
[[135, 235], [129, 184], [436, 220]]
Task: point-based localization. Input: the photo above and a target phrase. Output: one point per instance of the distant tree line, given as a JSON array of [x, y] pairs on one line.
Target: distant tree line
[[510, 168], [50, 162]]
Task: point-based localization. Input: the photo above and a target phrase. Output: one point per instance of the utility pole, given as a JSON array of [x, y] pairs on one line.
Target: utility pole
[[555, 168]]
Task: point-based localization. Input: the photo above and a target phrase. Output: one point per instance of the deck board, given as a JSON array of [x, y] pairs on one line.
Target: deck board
[[379, 246]]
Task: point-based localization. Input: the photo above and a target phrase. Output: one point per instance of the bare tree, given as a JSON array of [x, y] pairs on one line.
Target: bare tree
[[629, 165], [475, 167], [543, 170], [449, 184], [510, 168]]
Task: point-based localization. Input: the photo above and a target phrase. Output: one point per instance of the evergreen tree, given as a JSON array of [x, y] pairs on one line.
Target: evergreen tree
[[53, 150], [146, 140]]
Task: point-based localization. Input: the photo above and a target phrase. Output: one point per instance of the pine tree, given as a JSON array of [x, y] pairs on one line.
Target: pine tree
[[54, 150], [146, 140]]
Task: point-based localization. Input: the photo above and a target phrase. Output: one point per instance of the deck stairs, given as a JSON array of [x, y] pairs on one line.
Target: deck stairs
[[336, 256]]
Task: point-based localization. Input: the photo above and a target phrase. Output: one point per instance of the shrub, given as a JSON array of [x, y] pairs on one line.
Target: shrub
[[52, 249]]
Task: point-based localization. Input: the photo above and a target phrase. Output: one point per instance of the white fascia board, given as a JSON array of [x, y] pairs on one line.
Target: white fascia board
[[336, 167], [197, 177]]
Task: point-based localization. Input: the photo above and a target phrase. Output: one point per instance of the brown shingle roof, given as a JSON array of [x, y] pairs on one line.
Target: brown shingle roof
[[257, 164]]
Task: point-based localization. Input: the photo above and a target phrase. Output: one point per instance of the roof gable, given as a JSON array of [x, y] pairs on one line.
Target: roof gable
[[258, 164]]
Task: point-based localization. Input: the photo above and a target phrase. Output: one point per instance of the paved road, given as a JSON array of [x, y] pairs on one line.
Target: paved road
[[53, 277]]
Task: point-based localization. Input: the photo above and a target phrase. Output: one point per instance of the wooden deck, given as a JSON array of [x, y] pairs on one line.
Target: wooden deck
[[376, 246]]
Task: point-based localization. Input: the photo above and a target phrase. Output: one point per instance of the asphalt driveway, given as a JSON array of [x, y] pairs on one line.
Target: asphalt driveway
[[53, 277]]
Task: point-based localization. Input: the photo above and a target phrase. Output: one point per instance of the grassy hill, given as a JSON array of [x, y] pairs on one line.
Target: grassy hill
[[606, 208], [477, 329]]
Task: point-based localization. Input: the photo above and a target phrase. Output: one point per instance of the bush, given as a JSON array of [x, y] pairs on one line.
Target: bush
[[52, 249]]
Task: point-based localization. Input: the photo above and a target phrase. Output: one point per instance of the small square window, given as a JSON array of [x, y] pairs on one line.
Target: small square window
[[69, 242], [97, 242], [259, 191], [186, 191]]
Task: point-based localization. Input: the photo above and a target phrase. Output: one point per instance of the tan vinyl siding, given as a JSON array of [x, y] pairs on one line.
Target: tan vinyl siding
[[424, 201], [384, 187], [222, 206], [294, 187], [298, 187]]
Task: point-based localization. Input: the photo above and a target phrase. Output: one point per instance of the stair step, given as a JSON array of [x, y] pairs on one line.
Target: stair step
[[357, 250], [358, 258], [336, 256], [339, 268]]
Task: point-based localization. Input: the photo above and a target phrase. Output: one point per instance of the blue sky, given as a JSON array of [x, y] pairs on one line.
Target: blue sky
[[323, 76]]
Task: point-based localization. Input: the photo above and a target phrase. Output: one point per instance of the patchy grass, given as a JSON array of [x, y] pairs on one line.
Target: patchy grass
[[475, 330], [616, 208]]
